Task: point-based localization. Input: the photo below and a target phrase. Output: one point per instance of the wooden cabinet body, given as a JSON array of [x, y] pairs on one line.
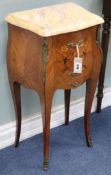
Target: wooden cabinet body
[[31, 58], [45, 64]]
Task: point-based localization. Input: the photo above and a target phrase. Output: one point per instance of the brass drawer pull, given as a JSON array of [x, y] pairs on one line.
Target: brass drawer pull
[[70, 45], [79, 43], [76, 84], [72, 74]]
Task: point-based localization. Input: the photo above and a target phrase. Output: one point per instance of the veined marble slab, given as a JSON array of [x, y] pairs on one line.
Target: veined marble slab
[[54, 19]]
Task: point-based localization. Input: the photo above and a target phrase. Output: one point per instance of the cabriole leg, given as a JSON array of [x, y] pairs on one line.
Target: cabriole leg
[[16, 94], [46, 103], [90, 90]]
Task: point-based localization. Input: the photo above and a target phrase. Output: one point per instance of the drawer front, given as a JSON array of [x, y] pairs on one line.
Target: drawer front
[[65, 45], [64, 52]]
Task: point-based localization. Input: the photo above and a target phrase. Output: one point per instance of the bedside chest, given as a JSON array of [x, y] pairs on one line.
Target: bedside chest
[[53, 48]]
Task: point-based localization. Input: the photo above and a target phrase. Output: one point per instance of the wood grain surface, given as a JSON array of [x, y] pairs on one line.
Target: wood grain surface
[[45, 65]]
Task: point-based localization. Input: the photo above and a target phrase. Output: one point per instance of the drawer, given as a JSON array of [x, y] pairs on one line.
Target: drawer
[[64, 52], [64, 76], [64, 46]]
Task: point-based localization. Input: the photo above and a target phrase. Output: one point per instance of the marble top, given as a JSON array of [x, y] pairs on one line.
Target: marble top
[[54, 19]]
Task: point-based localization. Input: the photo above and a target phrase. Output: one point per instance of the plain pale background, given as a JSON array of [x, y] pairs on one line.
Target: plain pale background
[[30, 100]]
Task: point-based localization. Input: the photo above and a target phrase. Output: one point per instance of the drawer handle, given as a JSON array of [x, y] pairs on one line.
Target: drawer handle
[[70, 45], [72, 74], [76, 84], [79, 43]]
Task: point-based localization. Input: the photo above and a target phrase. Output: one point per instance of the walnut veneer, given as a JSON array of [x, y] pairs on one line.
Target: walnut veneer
[[45, 64]]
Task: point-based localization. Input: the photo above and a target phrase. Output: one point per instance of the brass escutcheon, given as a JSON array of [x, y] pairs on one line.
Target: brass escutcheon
[[75, 84]]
